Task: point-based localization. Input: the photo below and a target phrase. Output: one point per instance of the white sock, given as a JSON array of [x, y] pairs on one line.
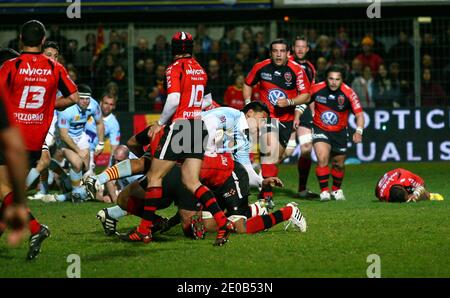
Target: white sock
[[116, 212], [33, 174]]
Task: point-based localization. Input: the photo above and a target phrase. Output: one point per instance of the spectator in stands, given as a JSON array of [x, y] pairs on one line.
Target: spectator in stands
[[368, 57], [361, 87], [145, 72], [199, 55], [72, 72], [119, 77], [202, 38], [216, 82], [378, 47], [428, 62], [15, 42], [394, 72], [72, 50], [323, 48], [342, 42], [367, 75], [261, 50], [90, 45], [104, 72], [114, 36], [56, 36], [337, 58], [161, 50], [321, 67], [429, 45], [431, 92], [312, 40], [124, 40], [229, 43], [236, 70], [249, 38], [403, 53], [355, 71], [233, 95], [142, 50], [386, 92], [244, 57], [157, 93]]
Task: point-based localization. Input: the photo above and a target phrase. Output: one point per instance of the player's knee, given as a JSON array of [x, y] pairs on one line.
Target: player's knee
[[306, 149], [337, 165]]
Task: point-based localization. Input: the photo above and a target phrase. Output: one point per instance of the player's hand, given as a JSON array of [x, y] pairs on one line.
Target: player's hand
[[16, 218], [99, 148], [412, 198], [296, 124], [154, 129], [283, 102], [357, 138], [273, 181]]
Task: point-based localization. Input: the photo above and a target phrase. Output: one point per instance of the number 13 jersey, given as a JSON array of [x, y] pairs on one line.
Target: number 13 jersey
[[30, 83]]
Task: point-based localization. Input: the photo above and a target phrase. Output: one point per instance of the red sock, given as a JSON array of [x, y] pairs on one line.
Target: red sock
[[34, 226], [269, 170], [323, 174], [338, 176], [262, 222], [207, 199], [303, 167], [7, 200]]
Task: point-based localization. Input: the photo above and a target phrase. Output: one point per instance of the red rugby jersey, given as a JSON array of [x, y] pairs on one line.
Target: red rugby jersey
[[187, 77], [278, 81], [30, 84], [398, 176], [216, 169], [331, 108]]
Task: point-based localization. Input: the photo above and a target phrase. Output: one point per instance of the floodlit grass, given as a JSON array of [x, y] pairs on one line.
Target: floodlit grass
[[412, 240]]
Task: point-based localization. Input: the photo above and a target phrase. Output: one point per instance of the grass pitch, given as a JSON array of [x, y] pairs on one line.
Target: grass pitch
[[412, 240]]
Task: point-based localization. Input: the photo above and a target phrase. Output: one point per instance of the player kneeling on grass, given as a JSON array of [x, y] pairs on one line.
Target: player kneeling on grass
[[400, 185], [230, 183]]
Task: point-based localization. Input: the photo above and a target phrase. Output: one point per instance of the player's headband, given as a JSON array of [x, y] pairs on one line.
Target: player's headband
[[85, 94]]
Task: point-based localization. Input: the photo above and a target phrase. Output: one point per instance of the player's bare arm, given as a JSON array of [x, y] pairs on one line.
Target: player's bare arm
[[65, 102], [101, 136], [247, 92], [298, 100], [357, 136]]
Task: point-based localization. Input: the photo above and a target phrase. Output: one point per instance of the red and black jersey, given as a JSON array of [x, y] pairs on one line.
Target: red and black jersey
[[398, 176], [278, 81], [188, 78], [30, 84], [331, 108], [216, 169], [308, 67]]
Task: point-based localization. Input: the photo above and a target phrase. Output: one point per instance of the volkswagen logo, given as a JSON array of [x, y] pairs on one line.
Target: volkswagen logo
[[274, 94], [329, 118]]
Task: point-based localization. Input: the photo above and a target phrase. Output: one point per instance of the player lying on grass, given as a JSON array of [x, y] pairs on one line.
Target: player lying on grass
[[400, 185], [230, 184]]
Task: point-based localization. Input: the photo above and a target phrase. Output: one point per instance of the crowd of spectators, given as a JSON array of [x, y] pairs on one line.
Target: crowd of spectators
[[381, 76]]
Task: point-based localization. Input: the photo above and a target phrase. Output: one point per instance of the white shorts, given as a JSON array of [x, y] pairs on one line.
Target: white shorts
[[81, 141]]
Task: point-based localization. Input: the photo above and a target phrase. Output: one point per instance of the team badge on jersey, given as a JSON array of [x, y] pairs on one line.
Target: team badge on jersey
[[329, 118], [288, 76], [274, 94], [341, 100]]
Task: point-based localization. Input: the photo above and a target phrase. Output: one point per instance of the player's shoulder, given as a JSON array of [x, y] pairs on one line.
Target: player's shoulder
[[319, 86], [262, 64], [294, 65], [346, 89]]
